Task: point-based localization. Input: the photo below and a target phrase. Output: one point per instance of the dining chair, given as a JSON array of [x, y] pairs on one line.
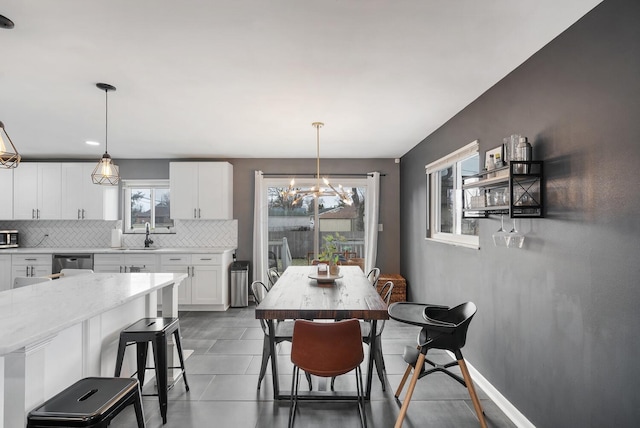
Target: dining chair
[[365, 328], [373, 276], [284, 331], [22, 281], [326, 350], [273, 276], [442, 328], [73, 272]]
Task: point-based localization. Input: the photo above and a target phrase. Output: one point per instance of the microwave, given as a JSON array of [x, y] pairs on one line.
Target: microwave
[[9, 239]]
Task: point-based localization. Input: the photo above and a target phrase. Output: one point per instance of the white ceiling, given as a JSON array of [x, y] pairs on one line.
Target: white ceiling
[[246, 78]]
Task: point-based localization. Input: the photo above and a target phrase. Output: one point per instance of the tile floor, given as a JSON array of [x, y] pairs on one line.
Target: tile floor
[[223, 373]]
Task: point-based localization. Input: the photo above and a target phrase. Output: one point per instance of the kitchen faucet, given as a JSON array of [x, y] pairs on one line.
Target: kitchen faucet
[[147, 241]]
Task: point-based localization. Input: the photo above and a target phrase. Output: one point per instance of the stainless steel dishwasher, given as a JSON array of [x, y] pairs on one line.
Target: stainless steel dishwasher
[[71, 261]]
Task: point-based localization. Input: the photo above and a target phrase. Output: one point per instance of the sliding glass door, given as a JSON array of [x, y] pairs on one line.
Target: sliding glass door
[[299, 222]]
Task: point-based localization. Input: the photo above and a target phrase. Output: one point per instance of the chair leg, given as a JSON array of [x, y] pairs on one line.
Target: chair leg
[[360, 389], [266, 353], [160, 360], [294, 396], [176, 336], [472, 392], [122, 346], [141, 358], [379, 360], [404, 379], [137, 405], [412, 386]]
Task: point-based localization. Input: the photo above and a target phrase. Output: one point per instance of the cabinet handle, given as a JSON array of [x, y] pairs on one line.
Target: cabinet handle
[[30, 259], [193, 272], [175, 259], [83, 213], [209, 259], [199, 216], [78, 216], [194, 213], [26, 272], [38, 211], [33, 273], [33, 213]]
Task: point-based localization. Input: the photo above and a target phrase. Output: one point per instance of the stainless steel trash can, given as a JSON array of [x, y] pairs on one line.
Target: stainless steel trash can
[[239, 278]]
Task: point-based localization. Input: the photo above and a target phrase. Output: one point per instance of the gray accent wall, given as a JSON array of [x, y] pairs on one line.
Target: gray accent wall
[[557, 325]]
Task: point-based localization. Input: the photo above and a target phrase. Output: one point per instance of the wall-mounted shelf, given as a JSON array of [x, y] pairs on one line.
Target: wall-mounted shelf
[[515, 189]]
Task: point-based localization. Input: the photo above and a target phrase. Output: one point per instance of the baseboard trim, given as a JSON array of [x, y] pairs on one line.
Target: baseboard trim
[[507, 408]]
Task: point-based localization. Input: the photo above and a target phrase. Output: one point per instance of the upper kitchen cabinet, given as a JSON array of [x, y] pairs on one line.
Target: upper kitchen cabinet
[[83, 200], [201, 190], [6, 183], [36, 191]]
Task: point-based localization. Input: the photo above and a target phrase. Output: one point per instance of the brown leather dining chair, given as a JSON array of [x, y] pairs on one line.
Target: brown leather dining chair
[[326, 350]]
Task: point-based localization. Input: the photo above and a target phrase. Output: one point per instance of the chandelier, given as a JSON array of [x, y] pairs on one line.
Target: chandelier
[[318, 190], [106, 172]]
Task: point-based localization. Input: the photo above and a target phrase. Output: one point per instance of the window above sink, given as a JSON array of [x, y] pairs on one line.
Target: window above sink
[[147, 201]]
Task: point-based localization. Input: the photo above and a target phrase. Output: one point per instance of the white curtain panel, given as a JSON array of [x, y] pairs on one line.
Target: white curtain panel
[[260, 228], [371, 207]]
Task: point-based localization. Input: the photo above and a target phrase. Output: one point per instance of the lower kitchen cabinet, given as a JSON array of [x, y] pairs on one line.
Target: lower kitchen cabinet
[[5, 272], [206, 287], [30, 265]]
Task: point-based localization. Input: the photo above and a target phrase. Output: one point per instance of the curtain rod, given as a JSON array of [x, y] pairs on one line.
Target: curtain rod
[[308, 174]]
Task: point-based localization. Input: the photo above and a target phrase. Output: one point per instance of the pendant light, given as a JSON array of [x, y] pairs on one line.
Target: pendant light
[[317, 190], [106, 172], [9, 156]]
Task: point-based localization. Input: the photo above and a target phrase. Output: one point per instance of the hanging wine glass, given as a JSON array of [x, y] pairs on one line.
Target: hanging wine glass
[[514, 239], [500, 236]]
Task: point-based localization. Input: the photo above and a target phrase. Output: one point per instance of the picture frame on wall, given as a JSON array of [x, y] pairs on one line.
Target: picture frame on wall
[[496, 151]]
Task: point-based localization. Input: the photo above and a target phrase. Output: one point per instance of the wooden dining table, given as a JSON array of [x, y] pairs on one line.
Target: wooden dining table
[[296, 295]]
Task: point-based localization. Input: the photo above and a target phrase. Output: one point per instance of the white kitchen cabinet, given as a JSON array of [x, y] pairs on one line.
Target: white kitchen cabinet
[[178, 263], [30, 265], [125, 263], [5, 272], [83, 200], [207, 285], [37, 191], [201, 190], [6, 184]]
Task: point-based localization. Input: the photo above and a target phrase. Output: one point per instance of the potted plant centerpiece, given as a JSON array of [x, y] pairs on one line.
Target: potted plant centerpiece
[[330, 254]]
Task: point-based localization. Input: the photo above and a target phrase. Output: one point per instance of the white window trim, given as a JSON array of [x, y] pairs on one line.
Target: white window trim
[[127, 185], [468, 241]]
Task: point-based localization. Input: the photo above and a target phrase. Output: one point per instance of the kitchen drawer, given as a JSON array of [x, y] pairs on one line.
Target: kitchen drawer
[[175, 259], [141, 259], [31, 259], [108, 259], [206, 259]]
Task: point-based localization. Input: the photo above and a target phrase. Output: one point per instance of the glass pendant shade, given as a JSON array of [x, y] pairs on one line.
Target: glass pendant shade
[[9, 156], [106, 173]]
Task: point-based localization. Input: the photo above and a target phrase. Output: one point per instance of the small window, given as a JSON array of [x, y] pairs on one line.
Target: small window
[[445, 222], [147, 201]]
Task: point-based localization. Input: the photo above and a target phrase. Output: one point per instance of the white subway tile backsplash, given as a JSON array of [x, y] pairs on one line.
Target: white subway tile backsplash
[[97, 233]]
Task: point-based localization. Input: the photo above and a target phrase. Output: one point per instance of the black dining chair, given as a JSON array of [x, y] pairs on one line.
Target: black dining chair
[[442, 328], [373, 276], [273, 276], [365, 328], [284, 331]]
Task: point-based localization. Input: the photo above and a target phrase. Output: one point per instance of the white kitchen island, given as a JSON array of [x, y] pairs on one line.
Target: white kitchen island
[[56, 332]]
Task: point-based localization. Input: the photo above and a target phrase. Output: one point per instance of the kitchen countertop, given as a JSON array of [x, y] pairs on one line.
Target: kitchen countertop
[[32, 313], [108, 250]]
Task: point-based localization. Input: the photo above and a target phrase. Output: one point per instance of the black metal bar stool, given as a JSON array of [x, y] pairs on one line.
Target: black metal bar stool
[[90, 402], [154, 330]]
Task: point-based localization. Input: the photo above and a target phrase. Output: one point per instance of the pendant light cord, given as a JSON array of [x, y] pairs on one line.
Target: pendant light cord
[[106, 120]]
